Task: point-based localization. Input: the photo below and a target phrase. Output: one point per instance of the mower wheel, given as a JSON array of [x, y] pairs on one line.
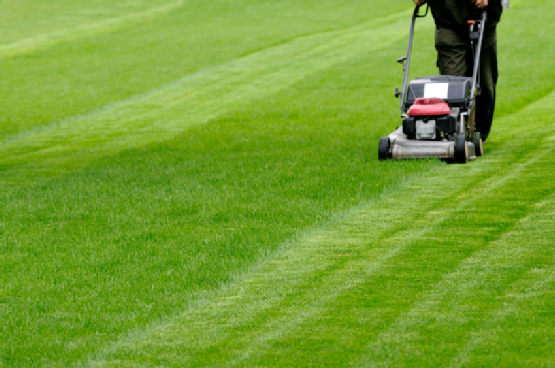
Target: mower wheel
[[461, 149], [384, 147], [477, 141]]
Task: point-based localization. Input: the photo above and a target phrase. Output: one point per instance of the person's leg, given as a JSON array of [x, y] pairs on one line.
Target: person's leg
[[452, 50], [454, 58], [485, 103]]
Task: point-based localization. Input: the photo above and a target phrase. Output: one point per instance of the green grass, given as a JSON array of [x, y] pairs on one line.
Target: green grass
[[130, 57], [199, 186], [194, 99], [409, 289]]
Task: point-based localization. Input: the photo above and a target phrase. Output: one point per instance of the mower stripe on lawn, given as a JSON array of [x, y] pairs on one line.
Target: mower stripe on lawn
[[494, 274], [104, 259], [301, 290], [46, 40], [526, 299], [166, 112]]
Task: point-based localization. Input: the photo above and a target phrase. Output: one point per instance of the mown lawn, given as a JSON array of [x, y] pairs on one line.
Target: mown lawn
[[196, 183]]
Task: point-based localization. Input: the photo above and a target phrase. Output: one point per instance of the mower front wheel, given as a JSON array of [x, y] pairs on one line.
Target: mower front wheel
[[384, 148], [461, 149], [477, 141]]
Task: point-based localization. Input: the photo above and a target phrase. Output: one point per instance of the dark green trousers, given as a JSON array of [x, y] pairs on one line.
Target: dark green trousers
[[454, 57]]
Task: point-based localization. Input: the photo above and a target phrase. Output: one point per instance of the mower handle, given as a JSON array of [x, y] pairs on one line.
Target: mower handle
[[406, 66], [477, 52]]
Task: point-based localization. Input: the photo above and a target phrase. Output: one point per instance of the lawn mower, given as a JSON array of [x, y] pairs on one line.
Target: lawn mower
[[438, 111]]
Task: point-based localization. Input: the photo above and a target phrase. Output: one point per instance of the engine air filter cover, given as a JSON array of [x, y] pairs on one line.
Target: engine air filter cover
[[429, 107]]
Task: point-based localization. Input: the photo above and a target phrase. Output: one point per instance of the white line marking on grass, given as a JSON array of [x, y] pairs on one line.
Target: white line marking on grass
[[46, 40]]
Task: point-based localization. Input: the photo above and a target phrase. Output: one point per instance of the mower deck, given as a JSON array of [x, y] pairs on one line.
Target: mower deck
[[404, 148]]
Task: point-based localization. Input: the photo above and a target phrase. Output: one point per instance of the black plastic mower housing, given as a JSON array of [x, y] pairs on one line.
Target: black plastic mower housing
[[444, 124], [458, 90], [409, 127], [447, 124]]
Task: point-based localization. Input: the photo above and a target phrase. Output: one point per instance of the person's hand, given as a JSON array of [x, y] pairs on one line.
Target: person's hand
[[422, 2], [480, 4]]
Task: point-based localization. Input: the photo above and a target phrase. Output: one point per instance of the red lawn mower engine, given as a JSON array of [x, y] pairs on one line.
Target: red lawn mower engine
[[429, 118]]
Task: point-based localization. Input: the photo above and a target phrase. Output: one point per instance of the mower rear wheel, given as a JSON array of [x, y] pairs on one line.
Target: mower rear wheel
[[383, 148], [461, 149], [477, 141]]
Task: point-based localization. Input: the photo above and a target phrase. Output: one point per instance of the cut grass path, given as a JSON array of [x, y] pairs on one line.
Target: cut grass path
[[166, 112], [130, 58], [49, 33], [150, 172], [419, 277], [134, 237]]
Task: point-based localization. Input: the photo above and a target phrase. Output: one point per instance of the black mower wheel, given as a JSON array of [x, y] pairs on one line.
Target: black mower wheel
[[461, 149], [477, 142], [383, 148]]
